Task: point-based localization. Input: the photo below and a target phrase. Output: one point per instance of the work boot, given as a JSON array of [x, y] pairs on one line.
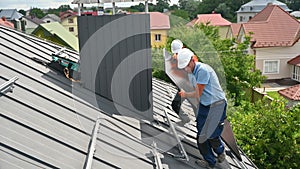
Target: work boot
[[221, 157], [204, 164], [184, 117]]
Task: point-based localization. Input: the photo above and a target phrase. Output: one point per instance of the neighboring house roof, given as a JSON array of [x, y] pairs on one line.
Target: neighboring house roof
[[52, 16], [273, 27], [56, 29], [6, 23], [10, 14], [66, 14], [295, 61], [45, 124], [258, 5], [235, 28], [212, 19], [292, 93], [159, 20], [295, 14], [34, 19]]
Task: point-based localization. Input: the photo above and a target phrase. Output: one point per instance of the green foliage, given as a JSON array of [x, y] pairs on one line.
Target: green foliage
[[294, 5], [274, 95], [61, 8], [137, 8], [23, 12], [234, 67], [161, 5], [158, 68], [37, 12], [181, 13], [268, 133], [190, 6]]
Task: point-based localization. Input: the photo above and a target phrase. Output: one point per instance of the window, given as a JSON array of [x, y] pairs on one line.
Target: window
[[157, 37], [71, 29], [296, 73], [241, 18], [48, 21], [250, 17], [70, 20], [271, 66]]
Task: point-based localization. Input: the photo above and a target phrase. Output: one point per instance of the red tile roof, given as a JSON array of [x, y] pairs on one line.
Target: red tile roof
[[6, 23], [295, 61], [273, 27], [235, 28], [292, 93], [159, 20], [213, 19]]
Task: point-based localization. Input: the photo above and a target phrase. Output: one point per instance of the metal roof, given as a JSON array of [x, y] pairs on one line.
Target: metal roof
[[56, 29], [46, 123], [258, 5], [10, 14]]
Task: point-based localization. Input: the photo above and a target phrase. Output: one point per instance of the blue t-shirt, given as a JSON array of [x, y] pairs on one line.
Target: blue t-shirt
[[204, 74]]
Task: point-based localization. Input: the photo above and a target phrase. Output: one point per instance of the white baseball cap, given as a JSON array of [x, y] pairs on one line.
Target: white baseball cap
[[176, 45], [184, 57]]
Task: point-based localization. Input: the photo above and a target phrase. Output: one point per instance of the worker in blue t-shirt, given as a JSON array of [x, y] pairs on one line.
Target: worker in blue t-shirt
[[212, 107]]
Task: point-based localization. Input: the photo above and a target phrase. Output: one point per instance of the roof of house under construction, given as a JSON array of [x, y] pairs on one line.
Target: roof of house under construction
[[45, 125]]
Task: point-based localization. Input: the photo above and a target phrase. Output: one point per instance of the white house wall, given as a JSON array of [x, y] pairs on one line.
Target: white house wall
[[246, 16], [30, 24], [282, 54]]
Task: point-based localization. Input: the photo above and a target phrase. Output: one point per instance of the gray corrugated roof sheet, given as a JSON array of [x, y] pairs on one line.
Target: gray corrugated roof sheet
[[44, 124]]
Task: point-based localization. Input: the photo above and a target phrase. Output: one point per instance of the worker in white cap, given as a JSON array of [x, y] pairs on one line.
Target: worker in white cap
[[212, 107], [176, 46]]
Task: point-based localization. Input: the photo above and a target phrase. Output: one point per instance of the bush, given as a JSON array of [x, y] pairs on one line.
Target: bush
[[268, 133]]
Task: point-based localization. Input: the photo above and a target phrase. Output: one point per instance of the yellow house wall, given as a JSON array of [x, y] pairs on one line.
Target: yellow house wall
[[43, 34], [164, 36], [67, 25], [223, 31]]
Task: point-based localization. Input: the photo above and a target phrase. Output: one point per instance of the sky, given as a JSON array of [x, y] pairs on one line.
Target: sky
[[43, 4]]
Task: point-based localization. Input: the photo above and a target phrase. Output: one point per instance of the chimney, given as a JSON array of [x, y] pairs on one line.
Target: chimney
[[115, 61], [3, 18]]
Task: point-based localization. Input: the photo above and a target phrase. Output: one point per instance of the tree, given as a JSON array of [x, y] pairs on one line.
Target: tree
[[161, 5], [268, 133], [37, 12], [23, 12], [190, 6], [181, 13], [225, 11], [137, 8], [293, 4]]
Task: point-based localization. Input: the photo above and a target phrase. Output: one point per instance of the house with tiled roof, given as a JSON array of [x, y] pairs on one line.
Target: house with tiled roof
[[12, 15], [70, 24], [159, 28], [292, 94], [31, 22], [213, 19], [67, 14], [51, 18], [234, 30], [274, 41], [6, 23], [295, 68], [250, 9]]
